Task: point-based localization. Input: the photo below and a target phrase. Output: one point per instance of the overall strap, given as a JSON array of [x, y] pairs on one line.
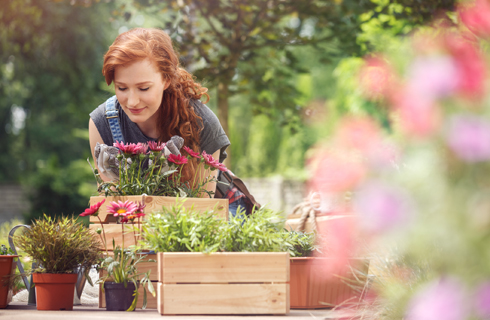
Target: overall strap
[[112, 115]]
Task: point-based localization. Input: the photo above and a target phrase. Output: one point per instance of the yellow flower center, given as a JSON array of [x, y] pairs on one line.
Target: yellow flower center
[[121, 210]]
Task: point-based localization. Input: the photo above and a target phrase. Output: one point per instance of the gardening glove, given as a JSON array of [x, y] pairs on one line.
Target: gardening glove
[[173, 146], [106, 158]]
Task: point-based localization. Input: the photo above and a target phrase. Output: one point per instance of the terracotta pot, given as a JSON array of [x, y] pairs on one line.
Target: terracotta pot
[[7, 268], [313, 287], [55, 291], [117, 296]]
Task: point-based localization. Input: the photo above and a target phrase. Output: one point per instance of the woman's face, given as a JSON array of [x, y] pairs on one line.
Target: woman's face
[[139, 89]]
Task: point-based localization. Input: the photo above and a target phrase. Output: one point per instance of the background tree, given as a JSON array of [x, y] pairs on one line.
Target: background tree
[[50, 62]]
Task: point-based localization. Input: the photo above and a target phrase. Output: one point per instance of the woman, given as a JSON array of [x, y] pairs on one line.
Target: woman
[[156, 99]]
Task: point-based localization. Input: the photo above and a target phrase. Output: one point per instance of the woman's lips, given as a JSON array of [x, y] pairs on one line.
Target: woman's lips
[[136, 111]]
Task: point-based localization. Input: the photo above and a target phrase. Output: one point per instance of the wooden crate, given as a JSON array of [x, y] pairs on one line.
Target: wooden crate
[[223, 283], [143, 266], [313, 288], [153, 203]]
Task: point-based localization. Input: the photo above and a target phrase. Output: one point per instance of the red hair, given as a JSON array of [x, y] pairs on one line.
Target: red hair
[[176, 116]]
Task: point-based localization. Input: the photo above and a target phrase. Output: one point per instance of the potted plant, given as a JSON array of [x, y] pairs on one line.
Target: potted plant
[[151, 174], [120, 279], [314, 282], [7, 270], [59, 247], [208, 265]]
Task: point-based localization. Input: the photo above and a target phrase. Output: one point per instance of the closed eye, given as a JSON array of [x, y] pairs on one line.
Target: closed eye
[[121, 89], [144, 89]]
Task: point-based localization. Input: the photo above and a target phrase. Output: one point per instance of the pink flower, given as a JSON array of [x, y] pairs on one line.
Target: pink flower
[[418, 115], [93, 210], [376, 77], [381, 207], [210, 161], [476, 17], [469, 63], [156, 146], [140, 210], [469, 137], [122, 209], [177, 159], [336, 173], [482, 300], [441, 299], [221, 167], [192, 153], [143, 148], [128, 149], [358, 133], [433, 76]]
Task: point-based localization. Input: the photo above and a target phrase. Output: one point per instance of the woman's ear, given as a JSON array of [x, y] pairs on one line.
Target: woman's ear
[[166, 84]]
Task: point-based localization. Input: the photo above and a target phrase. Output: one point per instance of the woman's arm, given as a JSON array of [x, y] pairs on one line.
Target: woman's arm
[[94, 137]]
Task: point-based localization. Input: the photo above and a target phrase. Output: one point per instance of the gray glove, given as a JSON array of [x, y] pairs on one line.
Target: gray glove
[[173, 146], [106, 158]]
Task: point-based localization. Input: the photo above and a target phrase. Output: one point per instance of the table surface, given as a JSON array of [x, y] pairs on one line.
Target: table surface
[[22, 311]]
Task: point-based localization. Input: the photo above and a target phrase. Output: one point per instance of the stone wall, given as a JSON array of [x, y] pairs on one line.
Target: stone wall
[[277, 193], [14, 202]]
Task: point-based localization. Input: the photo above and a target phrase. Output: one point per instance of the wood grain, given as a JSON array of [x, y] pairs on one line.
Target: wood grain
[[223, 298], [155, 203], [223, 267]]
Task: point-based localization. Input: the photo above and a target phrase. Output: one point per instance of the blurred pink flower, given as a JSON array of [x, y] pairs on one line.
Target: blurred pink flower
[[433, 76], [381, 207], [469, 63], [376, 77], [333, 173], [468, 136], [384, 155], [337, 240], [482, 300], [418, 114], [358, 133], [476, 16], [441, 299]]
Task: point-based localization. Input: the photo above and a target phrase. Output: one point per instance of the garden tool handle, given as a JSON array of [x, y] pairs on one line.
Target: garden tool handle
[[19, 264]]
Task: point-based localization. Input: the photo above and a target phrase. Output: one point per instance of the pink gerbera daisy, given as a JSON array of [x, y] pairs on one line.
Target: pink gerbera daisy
[[210, 161], [122, 209], [128, 149], [221, 167], [142, 148], [156, 146], [177, 159], [93, 210], [192, 153]]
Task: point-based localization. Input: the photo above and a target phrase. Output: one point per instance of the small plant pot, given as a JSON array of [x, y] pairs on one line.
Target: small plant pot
[[7, 268], [54, 291], [117, 296]]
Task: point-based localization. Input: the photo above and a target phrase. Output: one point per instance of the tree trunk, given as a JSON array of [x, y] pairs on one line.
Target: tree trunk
[[223, 115]]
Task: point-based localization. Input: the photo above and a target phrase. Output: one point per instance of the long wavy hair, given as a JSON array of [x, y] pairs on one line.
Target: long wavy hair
[[176, 116]]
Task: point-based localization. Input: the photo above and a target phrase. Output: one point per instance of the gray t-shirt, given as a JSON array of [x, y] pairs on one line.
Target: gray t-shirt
[[211, 139]]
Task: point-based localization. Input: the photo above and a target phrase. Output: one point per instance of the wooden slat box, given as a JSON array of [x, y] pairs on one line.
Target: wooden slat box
[[153, 203], [143, 266], [223, 283]]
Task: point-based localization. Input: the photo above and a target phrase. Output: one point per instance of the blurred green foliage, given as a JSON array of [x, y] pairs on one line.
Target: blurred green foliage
[[50, 62]]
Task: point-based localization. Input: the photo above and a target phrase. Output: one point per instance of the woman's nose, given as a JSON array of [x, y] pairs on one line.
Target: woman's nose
[[133, 99]]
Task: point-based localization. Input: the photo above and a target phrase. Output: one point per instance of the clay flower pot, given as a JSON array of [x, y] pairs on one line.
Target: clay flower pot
[[7, 268], [55, 291], [312, 287]]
